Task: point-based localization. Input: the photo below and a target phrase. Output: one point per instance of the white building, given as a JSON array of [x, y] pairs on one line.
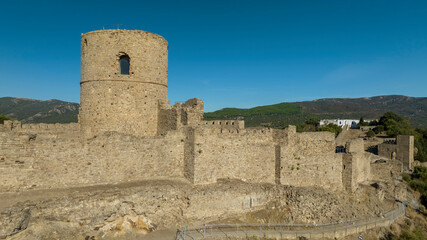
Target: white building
[[349, 123]]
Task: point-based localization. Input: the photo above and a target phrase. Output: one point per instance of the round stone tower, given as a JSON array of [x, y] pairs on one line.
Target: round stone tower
[[123, 81]]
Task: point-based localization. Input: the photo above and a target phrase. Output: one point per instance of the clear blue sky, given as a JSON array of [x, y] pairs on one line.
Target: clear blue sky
[[228, 53]]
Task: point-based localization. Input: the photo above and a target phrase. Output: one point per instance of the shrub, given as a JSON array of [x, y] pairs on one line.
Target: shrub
[[3, 118], [362, 122], [331, 128], [406, 177], [313, 121], [370, 133], [379, 129], [418, 182], [395, 125]]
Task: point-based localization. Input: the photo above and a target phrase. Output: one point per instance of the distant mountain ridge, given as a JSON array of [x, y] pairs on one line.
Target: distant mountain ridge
[[277, 115], [37, 111]]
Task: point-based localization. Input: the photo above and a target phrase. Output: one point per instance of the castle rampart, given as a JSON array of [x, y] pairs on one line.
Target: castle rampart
[[30, 158], [52, 156], [128, 131]]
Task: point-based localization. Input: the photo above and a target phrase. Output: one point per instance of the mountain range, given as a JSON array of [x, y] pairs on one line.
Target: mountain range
[[413, 109], [37, 111]]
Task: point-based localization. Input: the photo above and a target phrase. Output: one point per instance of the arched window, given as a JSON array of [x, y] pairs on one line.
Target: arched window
[[124, 64]]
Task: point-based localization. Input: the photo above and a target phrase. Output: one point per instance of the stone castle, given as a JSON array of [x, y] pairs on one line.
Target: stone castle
[[128, 131]]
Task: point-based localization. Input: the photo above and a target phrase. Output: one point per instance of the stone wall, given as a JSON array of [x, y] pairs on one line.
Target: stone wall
[[179, 115], [309, 159], [356, 165], [111, 101], [386, 170], [30, 158], [52, 156], [405, 150], [238, 124], [402, 149], [231, 152], [262, 155]]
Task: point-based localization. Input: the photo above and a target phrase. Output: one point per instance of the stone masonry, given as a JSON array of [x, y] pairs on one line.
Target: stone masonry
[[128, 131], [402, 149]]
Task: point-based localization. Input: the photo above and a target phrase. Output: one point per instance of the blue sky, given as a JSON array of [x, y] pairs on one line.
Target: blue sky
[[228, 53]]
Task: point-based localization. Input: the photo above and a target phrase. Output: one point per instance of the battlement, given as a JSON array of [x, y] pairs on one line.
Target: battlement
[[238, 124], [17, 126], [128, 131]]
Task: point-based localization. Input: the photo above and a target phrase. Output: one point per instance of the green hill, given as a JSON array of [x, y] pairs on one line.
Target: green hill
[[283, 114]]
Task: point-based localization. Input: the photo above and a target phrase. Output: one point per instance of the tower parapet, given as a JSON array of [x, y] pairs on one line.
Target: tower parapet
[[123, 81]]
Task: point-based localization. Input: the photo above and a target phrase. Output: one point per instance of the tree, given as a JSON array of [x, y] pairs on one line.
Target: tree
[[313, 121], [389, 116], [395, 125], [379, 129], [362, 122], [3, 118], [331, 128], [370, 133]]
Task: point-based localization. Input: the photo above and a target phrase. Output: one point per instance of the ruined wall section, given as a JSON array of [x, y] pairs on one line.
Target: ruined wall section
[[402, 149], [52, 160], [110, 101], [386, 170], [230, 152], [309, 159], [356, 165], [178, 116], [387, 149], [405, 150]]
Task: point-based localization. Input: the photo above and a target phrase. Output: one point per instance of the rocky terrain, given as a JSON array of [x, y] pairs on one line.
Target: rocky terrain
[[157, 208]]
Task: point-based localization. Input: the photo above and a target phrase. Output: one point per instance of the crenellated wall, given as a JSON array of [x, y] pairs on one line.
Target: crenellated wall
[[263, 155], [53, 156], [30, 158]]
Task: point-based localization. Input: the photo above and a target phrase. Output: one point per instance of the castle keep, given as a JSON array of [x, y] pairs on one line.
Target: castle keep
[[128, 131], [122, 98]]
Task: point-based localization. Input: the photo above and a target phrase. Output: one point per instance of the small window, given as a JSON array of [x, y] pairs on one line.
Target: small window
[[124, 65]]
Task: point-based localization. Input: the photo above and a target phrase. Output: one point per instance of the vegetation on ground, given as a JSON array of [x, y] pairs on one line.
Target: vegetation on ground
[[333, 128], [3, 118], [362, 122], [370, 133], [281, 108], [393, 124], [418, 182], [407, 234], [308, 126]]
